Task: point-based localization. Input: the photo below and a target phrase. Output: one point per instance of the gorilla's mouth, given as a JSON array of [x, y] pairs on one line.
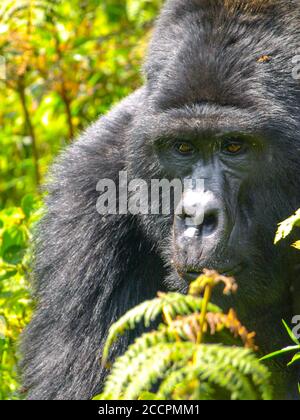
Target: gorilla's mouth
[[232, 271]]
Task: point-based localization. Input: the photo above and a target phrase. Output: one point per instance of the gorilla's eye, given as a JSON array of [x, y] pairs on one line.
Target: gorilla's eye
[[232, 147], [184, 148]]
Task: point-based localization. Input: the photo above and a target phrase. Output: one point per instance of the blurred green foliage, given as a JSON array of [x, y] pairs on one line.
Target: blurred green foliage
[[15, 302], [66, 63], [62, 64]]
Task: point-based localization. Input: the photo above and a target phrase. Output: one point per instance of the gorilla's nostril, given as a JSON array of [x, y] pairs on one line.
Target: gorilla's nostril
[[210, 223], [180, 216]]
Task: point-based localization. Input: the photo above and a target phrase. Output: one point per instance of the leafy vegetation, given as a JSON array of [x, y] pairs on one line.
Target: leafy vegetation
[[66, 63], [62, 64], [15, 302], [285, 229], [290, 349], [174, 359]]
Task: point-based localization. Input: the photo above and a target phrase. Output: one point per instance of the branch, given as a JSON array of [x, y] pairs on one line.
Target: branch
[[30, 127]]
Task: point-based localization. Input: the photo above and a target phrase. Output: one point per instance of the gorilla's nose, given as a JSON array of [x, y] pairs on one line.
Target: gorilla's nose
[[200, 212]]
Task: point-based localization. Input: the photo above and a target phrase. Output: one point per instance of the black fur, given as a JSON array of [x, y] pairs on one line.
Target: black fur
[[203, 72]]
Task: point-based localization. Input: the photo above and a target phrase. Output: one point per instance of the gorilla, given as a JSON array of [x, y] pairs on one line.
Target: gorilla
[[221, 103]]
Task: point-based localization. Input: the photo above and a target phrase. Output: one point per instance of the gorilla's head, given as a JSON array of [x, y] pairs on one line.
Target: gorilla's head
[[223, 106]]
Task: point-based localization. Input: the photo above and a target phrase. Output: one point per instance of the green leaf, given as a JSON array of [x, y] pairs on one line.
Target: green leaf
[[8, 274], [147, 396], [290, 333], [13, 236], [97, 398], [286, 227], [14, 255], [28, 205], [280, 353], [296, 245], [14, 242], [295, 359]]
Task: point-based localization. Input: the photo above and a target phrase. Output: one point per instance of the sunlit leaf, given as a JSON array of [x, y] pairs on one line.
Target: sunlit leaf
[[290, 333], [286, 227], [297, 245], [295, 359]]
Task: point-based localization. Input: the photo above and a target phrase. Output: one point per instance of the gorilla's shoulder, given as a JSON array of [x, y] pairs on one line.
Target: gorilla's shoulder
[[100, 151], [113, 123]]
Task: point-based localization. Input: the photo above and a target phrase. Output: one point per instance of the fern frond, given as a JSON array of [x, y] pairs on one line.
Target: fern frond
[[206, 368], [219, 322], [212, 278], [232, 382], [162, 361], [236, 358], [134, 356], [194, 390], [175, 304], [234, 370], [188, 327], [133, 374], [174, 360]]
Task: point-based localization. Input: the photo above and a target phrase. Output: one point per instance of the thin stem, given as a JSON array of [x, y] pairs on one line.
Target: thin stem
[[64, 92], [168, 319], [206, 300], [31, 130], [67, 102]]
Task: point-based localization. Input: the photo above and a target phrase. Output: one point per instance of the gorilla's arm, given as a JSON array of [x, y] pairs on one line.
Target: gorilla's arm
[[86, 270]]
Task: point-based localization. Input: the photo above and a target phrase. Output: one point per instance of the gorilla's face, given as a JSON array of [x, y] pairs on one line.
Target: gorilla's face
[[237, 154], [230, 159], [226, 161]]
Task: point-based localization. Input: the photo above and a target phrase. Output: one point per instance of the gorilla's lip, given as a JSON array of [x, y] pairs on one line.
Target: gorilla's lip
[[225, 271]]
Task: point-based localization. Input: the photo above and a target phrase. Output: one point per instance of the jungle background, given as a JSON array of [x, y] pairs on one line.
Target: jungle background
[[62, 64]]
